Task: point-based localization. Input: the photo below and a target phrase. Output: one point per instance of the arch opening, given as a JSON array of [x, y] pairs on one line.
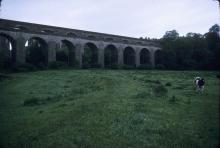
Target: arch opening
[[145, 57], [110, 56], [37, 52], [66, 53], [7, 51], [158, 58], [90, 56], [129, 56]]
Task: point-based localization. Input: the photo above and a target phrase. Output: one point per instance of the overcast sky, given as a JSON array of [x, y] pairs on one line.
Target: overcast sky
[[134, 18]]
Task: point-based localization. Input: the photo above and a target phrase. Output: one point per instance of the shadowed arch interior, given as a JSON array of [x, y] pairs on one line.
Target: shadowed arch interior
[[158, 57], [90, 56], [37, 52], [66, 53], [144, 57], [129, 56], [111, 56], [7, 51]]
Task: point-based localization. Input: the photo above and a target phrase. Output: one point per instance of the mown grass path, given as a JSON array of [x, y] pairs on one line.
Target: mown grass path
[[107, 108]]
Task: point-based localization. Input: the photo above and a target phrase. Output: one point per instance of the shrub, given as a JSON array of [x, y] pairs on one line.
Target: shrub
[[25, 67], [145, 67], [113, 66], [75, 64], [92, 65], [57, 65], [128, 67], [41, 66], [160, 90], [4, 76], [159, 66], [96, 65]]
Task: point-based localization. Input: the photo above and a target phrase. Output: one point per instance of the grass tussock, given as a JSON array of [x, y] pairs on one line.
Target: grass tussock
[[160, 90]]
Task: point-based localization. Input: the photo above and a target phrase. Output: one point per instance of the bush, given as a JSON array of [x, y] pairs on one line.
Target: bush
[[145, 67], [160, 90], [159, 66], [4, 76], [93, 65], [41, 66], [75, 64], [113, 66], [57, 65], [128, 67], [25, 67]]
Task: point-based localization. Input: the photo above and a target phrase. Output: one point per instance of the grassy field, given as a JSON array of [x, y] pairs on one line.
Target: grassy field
[[107, 108]]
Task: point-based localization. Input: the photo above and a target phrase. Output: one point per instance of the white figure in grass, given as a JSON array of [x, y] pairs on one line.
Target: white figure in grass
[[200, 84]]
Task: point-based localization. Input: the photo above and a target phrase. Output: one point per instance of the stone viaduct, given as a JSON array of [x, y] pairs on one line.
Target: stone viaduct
[[18, 33]]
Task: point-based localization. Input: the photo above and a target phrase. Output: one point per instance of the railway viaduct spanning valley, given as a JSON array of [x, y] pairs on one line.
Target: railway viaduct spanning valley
[[101, 49]]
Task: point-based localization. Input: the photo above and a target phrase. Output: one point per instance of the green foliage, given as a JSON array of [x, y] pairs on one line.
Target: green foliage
[[113, 66], [145, 66], [58, 65], [4, 76], [90, 57], [111, 57], [191, 52], [5, 59], [25, 67], [160, 66], [171, 35], [36, 54], [127, 67]]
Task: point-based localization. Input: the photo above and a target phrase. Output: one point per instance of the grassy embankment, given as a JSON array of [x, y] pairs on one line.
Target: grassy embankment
[[105, 108]]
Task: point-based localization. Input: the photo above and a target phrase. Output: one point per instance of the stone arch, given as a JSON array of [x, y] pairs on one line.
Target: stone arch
[[37, 51], [158, 57], [66, 53], [110, 56], [90, 56], [144, 56], [129, 56], [7, 50]]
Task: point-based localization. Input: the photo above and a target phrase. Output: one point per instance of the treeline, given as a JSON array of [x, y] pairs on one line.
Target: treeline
[[191, 52]]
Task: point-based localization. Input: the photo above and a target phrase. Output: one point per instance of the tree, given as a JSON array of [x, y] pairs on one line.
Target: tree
[[212, 37], [173, 34], [213, 42]]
